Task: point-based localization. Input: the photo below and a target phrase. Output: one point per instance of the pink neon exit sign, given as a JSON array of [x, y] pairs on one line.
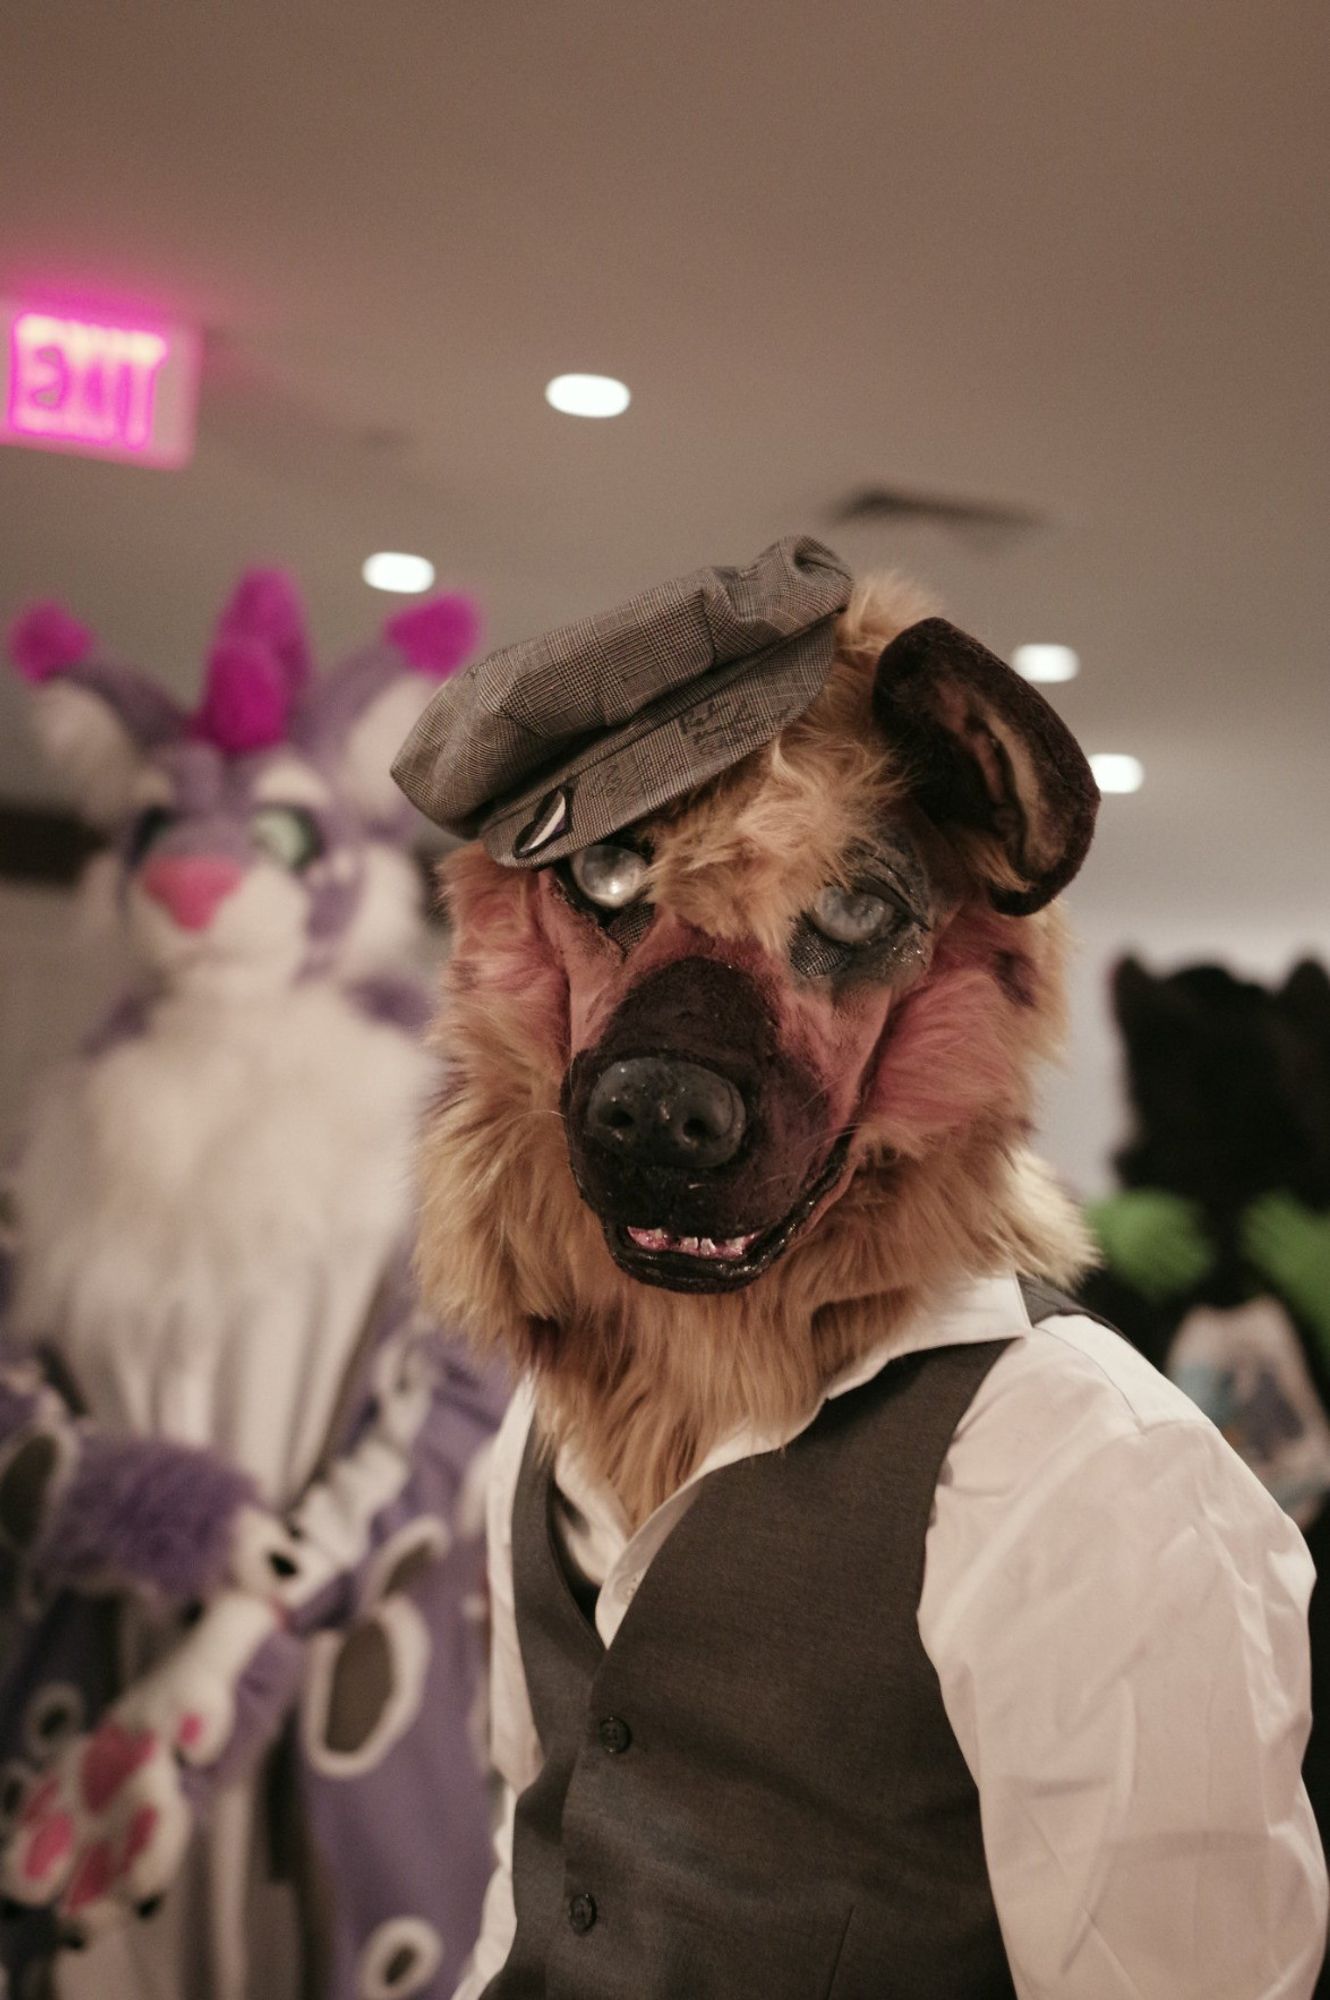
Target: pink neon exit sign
[[109, 389]]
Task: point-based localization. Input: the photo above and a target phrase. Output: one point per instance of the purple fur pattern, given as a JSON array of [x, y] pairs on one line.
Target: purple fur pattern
[[126, 1021], [394, 1002], [17, 1408], [264, 1696], [145, 1512]]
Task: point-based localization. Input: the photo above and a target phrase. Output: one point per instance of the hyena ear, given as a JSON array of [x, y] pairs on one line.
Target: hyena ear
[[356, 716], [1305, 999], [96, 720], [990, 755], [1138, 998]]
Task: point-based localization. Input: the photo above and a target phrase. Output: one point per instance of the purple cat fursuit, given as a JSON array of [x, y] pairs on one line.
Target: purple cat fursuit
[[241, 1582]]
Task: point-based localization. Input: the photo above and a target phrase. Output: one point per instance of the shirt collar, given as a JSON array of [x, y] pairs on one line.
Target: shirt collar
[[973, 1310]]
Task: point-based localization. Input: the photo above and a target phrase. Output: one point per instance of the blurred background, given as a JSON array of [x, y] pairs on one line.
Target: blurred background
[[1030, 301]]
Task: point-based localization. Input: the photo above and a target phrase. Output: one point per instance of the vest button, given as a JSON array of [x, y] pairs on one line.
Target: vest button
[[582, 1913], [615, 1735]]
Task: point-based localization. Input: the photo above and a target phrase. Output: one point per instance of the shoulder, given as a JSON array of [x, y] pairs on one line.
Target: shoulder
[[1066, 1384], [1057, 1371], [1078, 1465], [1116, 1613], [1072, 1368]]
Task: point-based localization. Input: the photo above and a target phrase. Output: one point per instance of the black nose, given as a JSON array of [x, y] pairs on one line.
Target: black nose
[[664, 1113]]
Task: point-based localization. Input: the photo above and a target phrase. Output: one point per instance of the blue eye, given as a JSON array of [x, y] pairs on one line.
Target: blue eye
[[287, 834], [853, 916]]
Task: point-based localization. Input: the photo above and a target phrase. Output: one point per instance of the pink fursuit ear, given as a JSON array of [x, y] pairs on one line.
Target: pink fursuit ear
[[246, 699], [265, 610], [436, 638], [257, 667], [47, 640]]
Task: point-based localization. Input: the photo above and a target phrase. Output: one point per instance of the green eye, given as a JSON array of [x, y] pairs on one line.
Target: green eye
[[852, 916], [286, 834], [611, 877]]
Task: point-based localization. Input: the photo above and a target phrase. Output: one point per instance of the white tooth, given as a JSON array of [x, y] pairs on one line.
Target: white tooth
[[729, 1247]]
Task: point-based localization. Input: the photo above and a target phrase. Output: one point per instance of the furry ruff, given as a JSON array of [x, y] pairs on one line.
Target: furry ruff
[[937, 1076]]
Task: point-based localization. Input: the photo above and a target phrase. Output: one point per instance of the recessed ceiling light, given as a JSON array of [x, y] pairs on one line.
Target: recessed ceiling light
[[1115, 772], [389, 570], [588, 395], [1046, 663]]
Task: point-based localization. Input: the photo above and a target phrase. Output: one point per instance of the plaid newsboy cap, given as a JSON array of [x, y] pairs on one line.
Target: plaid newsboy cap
[[547, 746]]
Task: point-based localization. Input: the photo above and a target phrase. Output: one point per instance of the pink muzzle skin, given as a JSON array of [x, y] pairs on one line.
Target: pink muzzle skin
[[190, 886]]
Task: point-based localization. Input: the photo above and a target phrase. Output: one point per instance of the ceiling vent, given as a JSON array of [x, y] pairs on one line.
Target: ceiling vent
[[984, 521]]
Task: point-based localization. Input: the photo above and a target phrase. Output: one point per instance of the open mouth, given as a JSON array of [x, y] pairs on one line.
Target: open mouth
[[719, 1264], [729, 1250]]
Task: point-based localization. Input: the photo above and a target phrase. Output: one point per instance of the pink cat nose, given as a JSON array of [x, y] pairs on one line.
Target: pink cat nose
[[190, 886]]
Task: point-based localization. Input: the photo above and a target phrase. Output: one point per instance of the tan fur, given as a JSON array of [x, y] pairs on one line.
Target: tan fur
[[645, 1380]]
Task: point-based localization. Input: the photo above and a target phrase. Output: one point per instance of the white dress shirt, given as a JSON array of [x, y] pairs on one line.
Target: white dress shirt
[[1116, 1611]]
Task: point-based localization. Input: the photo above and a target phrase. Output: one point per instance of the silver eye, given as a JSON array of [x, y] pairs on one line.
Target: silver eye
[[852, 916], [609, 876]]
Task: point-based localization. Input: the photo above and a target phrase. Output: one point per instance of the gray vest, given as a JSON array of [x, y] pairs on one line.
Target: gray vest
[[755, 1793]]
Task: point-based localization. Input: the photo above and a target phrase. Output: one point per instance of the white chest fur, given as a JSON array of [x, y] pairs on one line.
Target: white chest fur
[[205, 1213]]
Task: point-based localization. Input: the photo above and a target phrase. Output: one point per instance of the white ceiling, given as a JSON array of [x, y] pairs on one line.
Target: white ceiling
[[1071, 257]]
